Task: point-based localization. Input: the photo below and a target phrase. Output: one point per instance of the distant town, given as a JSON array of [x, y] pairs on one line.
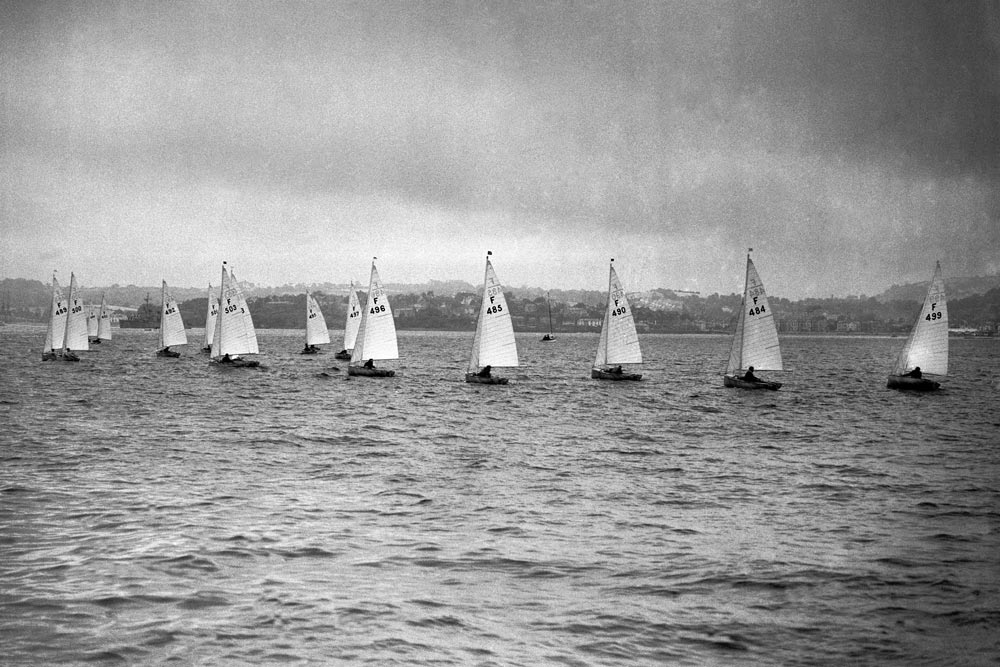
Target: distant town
[[973, 308]]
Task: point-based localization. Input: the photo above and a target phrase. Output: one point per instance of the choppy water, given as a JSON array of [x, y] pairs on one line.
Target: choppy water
[[159, 511]]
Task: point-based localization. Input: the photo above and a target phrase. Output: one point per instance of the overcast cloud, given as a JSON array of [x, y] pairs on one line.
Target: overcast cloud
[[851, 144]]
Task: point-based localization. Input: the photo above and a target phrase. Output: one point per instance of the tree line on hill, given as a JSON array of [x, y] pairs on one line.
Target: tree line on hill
[[660, 310]]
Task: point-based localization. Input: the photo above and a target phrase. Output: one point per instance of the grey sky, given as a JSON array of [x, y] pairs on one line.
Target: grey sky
[[851, 144]]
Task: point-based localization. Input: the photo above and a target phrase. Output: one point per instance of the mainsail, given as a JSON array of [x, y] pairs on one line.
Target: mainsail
[[57, 319], [619, 343], [171, 324], [377, 331], [210, 316], [75, 337], [756, 340], [316, 331], [92, 324], [353, 319], [104, 320], [493, 344], [234, 332], [927, 345]]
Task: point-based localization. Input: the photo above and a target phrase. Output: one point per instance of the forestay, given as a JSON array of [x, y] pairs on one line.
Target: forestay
[[619, 342], [376, 337], [927, 345], [494, 342], [756, 340]]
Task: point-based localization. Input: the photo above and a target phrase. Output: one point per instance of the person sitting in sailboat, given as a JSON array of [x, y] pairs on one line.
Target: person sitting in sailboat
[[370, 363], [617, 370], [915, 373], [485, 373], [749, 376]]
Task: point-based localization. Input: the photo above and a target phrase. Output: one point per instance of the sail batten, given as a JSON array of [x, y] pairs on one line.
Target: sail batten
[[376, 337], [619, 342], [927, 345], [494, 343]]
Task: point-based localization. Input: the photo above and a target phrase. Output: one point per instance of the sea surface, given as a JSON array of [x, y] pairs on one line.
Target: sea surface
[[166, 512]]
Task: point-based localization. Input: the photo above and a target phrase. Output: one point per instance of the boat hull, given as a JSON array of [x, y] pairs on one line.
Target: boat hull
[[69, 356], [598, 374], [474, 378], [911, 383], [343, 354], [738, 383], [237, 363], [370, 372], [548, 339], [169, 354], [316, 351]]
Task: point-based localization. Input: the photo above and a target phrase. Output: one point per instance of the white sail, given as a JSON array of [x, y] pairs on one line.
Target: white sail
[[619, 343], [377, 331], [104, 320], [493, 344], [76, 320], [171, 324], [234, 332], [210, 316], [353, 320], [57, 319], [756, 340], [316, 331], [92, 314], [927, 345]]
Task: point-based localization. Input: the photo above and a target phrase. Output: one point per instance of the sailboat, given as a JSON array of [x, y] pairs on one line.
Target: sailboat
[[210, 316], [316, 331], [75, 338], [926, 350], [619, 343], [92, 323], [351, 324], [171, 325], [493, 344], [549, 336], [755, 344], [376, 333], [57, 323], [234, 332], [103, 321]]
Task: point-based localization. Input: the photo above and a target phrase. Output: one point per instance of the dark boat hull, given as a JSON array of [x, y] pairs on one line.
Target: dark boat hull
[[474, 378], [370, 372], [343, 354], [598, 374], [911, 383], [169, 354], [734, 382], [237, 363]]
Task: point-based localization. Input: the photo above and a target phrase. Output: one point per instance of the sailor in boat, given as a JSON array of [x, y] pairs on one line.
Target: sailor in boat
[[370, 363], [166, 350], [310, 349], [750, 377], [225, 359], [617, 370], [485, 372], [915, 373]]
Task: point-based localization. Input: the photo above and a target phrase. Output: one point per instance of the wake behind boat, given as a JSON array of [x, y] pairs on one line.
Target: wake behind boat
[[755, 343], [234, 331], [376, 338], [493, 344], [619, 342], [926, 349]]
